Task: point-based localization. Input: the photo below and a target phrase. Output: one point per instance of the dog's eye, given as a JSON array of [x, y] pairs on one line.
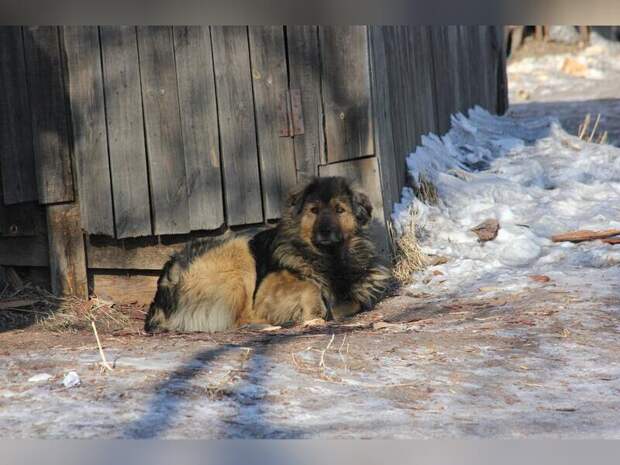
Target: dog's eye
[[339, 209], [314, 210]]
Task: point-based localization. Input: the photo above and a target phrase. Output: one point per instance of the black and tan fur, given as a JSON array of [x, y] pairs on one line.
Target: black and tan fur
[[318, 262]]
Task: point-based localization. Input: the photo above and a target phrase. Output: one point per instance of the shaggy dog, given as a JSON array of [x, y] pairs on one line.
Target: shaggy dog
[[318, 262]]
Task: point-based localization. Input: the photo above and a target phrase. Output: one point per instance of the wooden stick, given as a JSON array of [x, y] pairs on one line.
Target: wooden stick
[[11, 304], [612, 240], [322, 362], [104, 361], [584, 235]]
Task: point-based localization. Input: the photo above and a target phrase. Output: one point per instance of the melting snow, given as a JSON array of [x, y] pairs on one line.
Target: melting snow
[[536, 180]]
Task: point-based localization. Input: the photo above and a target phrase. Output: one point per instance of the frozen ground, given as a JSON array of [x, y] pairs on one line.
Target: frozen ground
[[475, 348]]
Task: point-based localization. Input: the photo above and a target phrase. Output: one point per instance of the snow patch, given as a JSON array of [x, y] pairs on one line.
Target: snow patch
[[530, 175]]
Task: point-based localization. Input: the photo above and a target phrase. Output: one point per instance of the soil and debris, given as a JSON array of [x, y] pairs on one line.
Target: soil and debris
[[513, 336]]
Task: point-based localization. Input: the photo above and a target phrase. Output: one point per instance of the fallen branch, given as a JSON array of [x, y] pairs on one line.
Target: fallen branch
[[612, 240], [585, 235]]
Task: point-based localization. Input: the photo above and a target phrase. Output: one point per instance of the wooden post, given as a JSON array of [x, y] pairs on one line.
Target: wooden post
[[539, 33], [66, 250]]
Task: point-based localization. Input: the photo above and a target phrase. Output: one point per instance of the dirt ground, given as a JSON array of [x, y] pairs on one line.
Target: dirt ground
[[540, 360]]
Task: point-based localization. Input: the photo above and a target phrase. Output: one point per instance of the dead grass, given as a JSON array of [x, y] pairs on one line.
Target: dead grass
[[426, 191], [408, 255], [584, 132], [56, 314]]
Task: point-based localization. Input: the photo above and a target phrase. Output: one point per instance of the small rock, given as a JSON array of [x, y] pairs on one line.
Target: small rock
[[539, 278], [71, 379], [40, 377], [487, 230]]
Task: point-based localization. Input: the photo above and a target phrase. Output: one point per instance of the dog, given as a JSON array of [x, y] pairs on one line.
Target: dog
[[318, 262]]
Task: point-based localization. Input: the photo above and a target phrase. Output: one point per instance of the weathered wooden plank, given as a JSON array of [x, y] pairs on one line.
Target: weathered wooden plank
[[445, 78], [237, 128], [421, 71], [391, 185], [346, 92], [364, 176], [501, 79], [125, 125], [24, 251], [17, 156], [304, 74], [270, 83], [129, 254], [125, 288], [67, 259], [401, 101], [199, 125], [89, 128], [48, 101], [164, 137], [25, 219]]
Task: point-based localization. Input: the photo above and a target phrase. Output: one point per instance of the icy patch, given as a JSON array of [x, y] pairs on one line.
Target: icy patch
[[40, 377], [71, 379], [530, 175]]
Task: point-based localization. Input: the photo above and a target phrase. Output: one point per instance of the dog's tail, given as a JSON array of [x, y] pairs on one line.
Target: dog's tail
[[165, 300]]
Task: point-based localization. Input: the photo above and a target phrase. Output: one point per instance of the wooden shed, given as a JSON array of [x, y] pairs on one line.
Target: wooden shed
[[118, 144]]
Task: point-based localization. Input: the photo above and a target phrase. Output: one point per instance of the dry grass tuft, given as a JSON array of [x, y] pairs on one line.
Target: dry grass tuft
[[408, 255], [58, 314], [426, 191], [584, 128]]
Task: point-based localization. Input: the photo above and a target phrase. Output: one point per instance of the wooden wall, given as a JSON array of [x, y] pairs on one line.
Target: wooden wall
[[421, 76], [119, 143]]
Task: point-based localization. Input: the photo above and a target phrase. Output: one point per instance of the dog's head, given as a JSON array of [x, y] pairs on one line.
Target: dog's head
[[329, 212]]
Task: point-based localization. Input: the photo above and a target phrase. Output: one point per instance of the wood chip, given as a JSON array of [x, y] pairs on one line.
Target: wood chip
[[585, 235], [487, 230], [539, 278]]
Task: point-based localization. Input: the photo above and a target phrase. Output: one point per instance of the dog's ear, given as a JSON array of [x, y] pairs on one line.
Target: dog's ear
[[362, 208], [295, 199]]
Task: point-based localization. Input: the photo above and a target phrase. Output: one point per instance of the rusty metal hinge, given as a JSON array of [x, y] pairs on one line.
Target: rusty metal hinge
[[290, 114]]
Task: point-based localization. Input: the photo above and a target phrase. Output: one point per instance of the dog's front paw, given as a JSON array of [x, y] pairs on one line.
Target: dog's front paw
[[314, 322]]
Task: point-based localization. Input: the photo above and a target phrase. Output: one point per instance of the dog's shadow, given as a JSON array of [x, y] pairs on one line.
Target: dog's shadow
[[170, 396]]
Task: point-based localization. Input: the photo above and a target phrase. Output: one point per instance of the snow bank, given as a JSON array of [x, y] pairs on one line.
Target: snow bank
[[530, 175]]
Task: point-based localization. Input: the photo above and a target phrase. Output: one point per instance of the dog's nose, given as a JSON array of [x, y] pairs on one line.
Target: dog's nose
[[328, 237]]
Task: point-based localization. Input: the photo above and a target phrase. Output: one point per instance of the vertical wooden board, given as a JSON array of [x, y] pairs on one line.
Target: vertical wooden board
[[455, 68], [445, 77], [346, 92], [90, 144], [125, 125], [364, 176], [196, 82], [401, 103], [382, 97], [16, 156], [67, 256], [304, 74], [231, 59], [270, 83], [421, 71], [48, 101], [501, 78], [164, 138]]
